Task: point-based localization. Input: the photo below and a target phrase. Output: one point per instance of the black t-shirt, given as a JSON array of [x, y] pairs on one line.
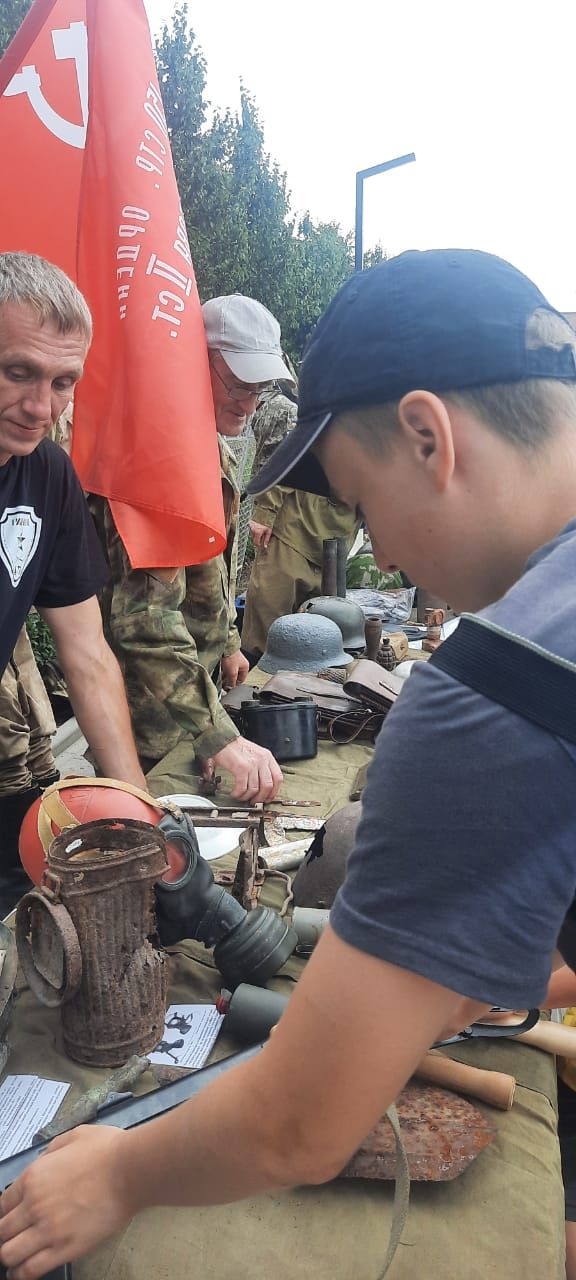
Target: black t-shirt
[[49, 552]]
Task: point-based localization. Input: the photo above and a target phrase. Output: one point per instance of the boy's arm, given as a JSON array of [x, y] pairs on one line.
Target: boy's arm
[[353, 1033]]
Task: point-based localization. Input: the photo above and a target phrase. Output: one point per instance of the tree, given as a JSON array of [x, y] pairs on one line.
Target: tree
[[198, 150], [12, 14], [373, 257], [235, 199], [322, 259], [233, 196], [261, 220]]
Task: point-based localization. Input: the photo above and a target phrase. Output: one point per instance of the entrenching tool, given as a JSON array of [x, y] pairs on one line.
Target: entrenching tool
[[442, 1134]]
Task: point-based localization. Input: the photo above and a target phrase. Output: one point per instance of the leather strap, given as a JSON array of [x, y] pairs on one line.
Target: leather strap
[[401, 1193], [526, 679], [350, 725], [54, 810]]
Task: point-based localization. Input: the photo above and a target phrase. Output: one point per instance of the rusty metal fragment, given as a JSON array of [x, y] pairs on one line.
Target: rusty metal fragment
[[86, 1106], [249, 876], [442, 1134]]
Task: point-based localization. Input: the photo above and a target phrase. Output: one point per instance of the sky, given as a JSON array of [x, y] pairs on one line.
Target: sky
[[483, 93]]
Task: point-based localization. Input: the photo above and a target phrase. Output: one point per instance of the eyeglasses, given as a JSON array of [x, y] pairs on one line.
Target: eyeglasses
[[239, 390]]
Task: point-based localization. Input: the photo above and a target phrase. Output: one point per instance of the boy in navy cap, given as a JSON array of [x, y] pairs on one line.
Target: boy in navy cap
[[437, 396]]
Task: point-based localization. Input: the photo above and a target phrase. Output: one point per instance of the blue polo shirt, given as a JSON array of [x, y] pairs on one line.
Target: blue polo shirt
[[465, 860]]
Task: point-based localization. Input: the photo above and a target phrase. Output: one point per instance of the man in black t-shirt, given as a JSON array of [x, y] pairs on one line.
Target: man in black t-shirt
[[49, 552]]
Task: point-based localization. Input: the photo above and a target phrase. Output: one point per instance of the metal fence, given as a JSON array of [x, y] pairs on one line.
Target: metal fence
[[244, 448]]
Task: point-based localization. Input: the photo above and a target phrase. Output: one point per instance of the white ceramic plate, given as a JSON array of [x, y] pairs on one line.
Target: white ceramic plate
[[214, 842]]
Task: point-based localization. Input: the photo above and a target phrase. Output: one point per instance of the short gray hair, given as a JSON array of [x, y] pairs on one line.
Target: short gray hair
[[26, 279], [525, 413]]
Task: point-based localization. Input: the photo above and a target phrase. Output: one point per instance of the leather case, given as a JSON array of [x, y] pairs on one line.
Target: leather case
[[372, 685], [285, 686]]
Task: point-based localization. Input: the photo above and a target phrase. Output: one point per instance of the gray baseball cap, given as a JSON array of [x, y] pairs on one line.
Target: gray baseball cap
[[247, 337]]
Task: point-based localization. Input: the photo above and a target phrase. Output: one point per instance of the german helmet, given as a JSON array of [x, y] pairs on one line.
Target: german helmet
[[319, 878], [303, 642], [345, 613]]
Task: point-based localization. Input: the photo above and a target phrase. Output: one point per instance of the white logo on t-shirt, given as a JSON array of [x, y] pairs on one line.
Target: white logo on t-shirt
[[20, 529]]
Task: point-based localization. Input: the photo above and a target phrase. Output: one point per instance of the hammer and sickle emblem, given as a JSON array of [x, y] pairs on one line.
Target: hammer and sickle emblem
[[69, 42]]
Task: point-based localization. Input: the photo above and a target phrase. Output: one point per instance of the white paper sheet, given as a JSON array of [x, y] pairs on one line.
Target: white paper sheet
[[189, 1034], [26, 1104]]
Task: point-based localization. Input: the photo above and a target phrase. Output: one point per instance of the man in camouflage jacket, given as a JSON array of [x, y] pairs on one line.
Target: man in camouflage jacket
[[288, 527], [174, 630]]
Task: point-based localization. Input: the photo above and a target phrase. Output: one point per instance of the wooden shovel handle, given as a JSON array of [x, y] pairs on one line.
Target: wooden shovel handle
[[488, 1086]]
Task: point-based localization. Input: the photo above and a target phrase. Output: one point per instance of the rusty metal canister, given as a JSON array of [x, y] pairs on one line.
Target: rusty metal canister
[[87, 939]]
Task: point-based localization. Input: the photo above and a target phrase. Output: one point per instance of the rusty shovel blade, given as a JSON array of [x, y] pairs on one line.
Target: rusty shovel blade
[[442, 1134]]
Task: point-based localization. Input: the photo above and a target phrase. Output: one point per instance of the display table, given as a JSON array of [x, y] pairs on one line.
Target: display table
[[501, 1220]]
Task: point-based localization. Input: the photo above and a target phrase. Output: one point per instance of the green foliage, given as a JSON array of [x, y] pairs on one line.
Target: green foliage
[[197, 149], [236, 203], [234, 197], [12, 14], [322, 258], [40, 639], [373, 257]]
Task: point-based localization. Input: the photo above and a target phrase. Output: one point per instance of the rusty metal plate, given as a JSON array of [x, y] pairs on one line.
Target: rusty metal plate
[[249, 876], [442, 1134]]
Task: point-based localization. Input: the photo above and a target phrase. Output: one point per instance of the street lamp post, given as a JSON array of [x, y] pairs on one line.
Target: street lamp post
[[360, 176]]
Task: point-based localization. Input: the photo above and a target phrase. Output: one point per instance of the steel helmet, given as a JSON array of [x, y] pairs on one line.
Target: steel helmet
[[248, 945], [73, 801], [319, 878], [303, 642], [345, 613]]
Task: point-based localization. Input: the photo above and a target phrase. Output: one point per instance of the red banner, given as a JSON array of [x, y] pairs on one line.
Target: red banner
[[92, 187]]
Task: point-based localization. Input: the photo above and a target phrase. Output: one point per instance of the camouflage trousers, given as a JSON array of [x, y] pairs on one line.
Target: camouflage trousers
[[281, 580], [26, 723]]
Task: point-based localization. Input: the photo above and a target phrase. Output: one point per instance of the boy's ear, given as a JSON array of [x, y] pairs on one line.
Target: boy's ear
[[427, 431]]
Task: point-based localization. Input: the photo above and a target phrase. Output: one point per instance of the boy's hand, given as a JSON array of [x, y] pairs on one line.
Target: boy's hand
[[66, 1203]]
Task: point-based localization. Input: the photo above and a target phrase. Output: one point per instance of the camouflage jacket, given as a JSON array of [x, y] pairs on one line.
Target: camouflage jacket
[[169, 637], [61, 432], [269, 424]]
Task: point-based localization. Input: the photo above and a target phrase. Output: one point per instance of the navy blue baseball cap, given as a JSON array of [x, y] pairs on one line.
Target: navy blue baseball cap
[[440, 320]]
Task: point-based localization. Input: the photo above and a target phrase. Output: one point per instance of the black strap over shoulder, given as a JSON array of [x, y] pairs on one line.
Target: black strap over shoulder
[[524, 678], [514, 672]]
